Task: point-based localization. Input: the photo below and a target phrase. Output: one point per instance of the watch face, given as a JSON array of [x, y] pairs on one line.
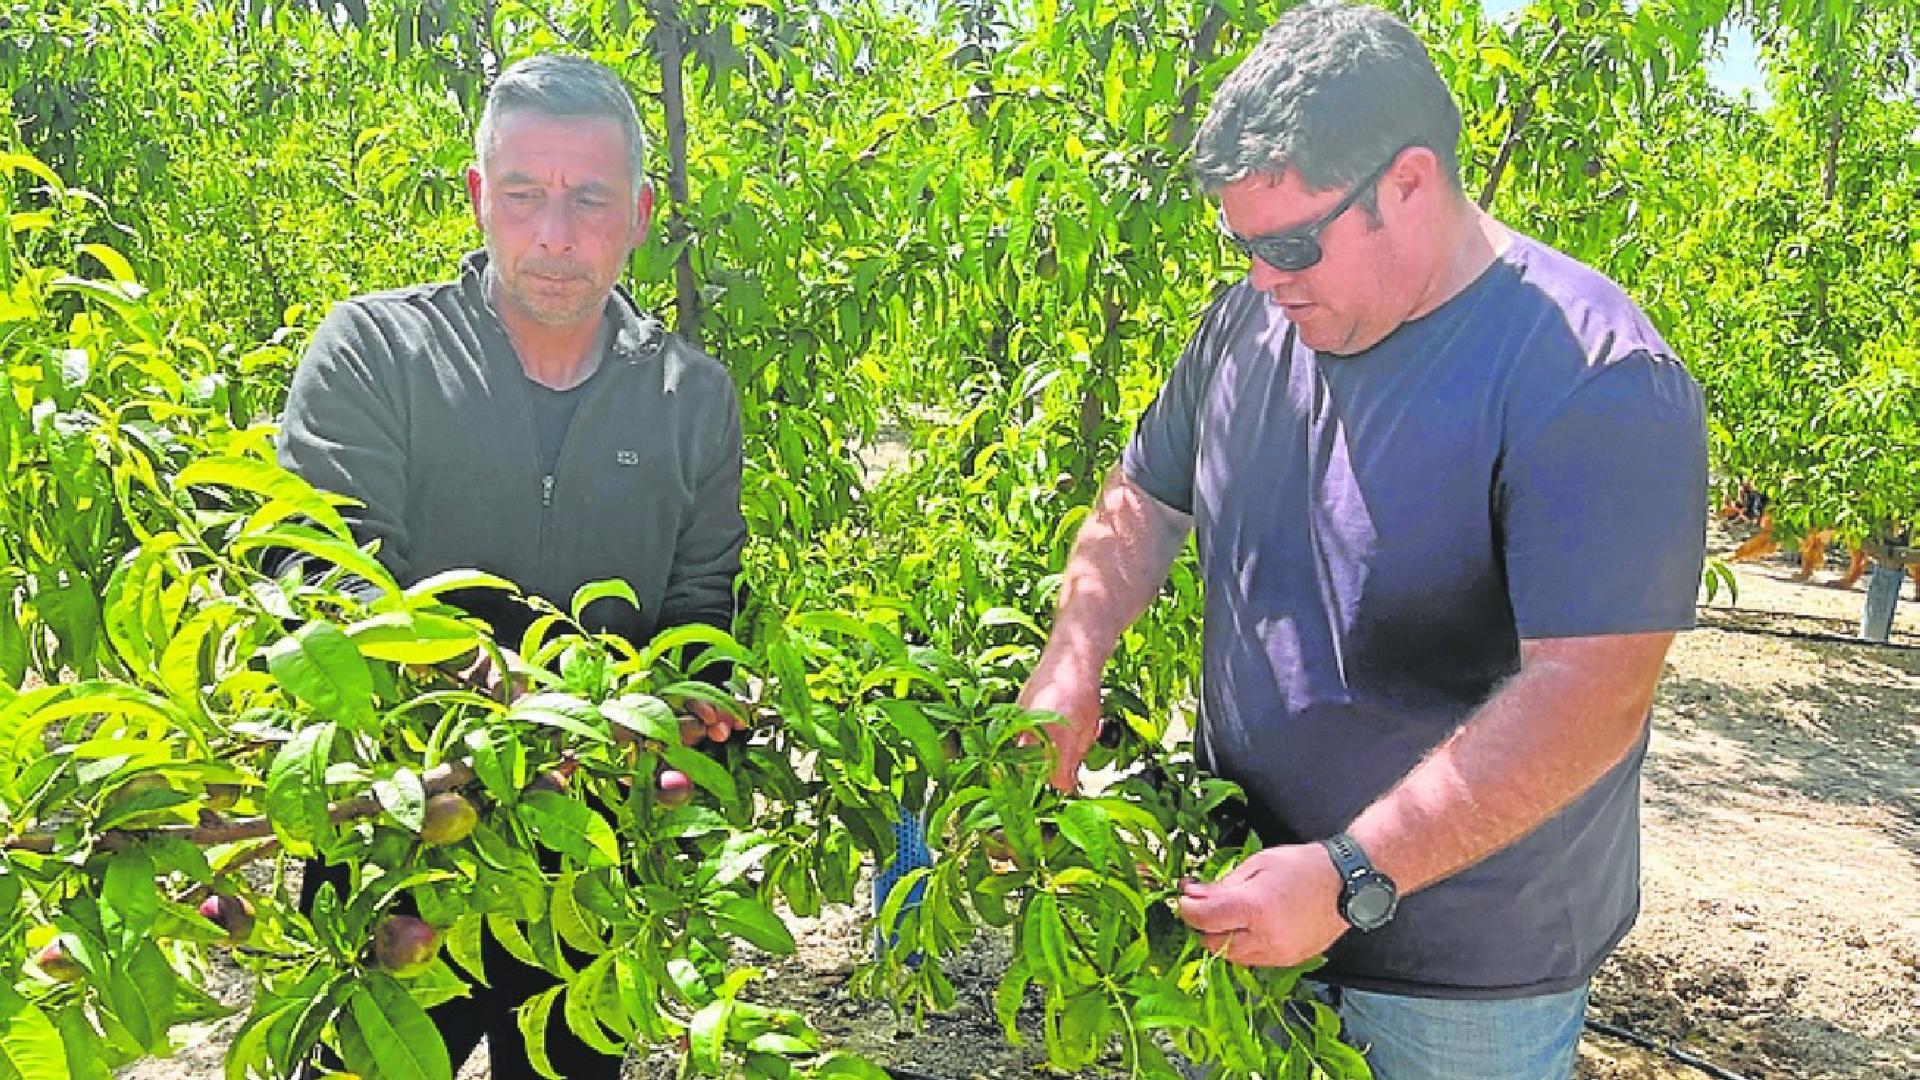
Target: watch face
[[1370, 904]]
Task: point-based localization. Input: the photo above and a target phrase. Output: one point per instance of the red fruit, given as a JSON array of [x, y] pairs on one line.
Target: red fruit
[[230, 913], [450, 817], [405, 945], [675, 788], [58, 962]]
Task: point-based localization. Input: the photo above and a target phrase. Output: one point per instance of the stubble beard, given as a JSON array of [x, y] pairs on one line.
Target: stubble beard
[[545, 310]]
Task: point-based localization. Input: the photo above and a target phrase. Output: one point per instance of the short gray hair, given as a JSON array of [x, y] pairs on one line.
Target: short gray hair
[[1334, 91], [564, 87]]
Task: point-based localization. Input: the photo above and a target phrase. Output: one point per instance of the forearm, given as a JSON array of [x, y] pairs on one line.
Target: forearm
[[1120, 559], [1574, 711]]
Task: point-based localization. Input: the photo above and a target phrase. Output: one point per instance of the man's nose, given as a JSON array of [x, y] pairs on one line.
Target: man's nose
[[553, 228], [1265, 278]]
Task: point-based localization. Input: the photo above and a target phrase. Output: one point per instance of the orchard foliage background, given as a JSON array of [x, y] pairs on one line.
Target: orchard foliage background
[[965, 226]]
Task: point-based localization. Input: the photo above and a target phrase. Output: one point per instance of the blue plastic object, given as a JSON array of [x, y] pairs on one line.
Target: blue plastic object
[[909, 854]]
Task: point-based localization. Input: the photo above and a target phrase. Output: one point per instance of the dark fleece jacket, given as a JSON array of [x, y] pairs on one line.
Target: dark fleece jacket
[[414, 403]]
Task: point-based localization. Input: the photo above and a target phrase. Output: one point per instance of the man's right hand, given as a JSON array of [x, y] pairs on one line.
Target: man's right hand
[[1077, 701]]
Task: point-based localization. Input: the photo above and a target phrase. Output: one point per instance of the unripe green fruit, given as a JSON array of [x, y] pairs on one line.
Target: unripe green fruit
[[143, 783], [230, 913], [405, 946], [221, 797], [675, 788], [58, 963], [450, 818]]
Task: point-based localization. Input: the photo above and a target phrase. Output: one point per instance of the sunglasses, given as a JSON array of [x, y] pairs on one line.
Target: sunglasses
[[1297, 249]]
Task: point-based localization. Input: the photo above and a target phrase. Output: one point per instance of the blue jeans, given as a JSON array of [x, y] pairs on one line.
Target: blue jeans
[[1410, 1038]]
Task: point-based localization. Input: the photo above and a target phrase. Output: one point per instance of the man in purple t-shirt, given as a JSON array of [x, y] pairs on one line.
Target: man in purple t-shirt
[[1449, 492]]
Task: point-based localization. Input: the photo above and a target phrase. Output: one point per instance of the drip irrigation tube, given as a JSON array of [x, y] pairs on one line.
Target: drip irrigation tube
[[1731, 622], [1668, 1049]]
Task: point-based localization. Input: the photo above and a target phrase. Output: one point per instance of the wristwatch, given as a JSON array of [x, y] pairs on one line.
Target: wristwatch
[[1368, 898]]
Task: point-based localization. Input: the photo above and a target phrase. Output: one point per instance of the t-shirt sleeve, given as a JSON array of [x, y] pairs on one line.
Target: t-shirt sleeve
[[1161, 455], [1602, 508]]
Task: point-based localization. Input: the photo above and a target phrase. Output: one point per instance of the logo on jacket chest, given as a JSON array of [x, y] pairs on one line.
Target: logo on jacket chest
[[627, 457]]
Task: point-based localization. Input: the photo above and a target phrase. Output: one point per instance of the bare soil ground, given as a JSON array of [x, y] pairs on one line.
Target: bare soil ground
[[1780, 935]]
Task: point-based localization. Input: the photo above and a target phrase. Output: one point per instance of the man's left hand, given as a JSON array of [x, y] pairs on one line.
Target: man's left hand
[[1279, 908]]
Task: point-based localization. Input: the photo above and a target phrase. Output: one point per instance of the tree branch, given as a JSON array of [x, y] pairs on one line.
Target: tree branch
[[437, 779]]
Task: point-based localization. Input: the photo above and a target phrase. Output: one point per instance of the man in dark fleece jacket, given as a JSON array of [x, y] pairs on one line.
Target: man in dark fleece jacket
[[528, 420]]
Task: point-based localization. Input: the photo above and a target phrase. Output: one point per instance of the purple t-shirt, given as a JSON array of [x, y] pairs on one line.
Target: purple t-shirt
[[1378, 532]]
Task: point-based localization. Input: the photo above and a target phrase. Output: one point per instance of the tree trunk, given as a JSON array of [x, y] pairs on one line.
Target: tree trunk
[[1205, 37], [669, 37]]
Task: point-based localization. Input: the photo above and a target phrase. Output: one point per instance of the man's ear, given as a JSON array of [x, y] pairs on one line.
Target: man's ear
[[643, 213], [1414, 174], [474, 189]]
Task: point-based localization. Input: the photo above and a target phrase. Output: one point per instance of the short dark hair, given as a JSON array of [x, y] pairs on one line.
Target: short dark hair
[[558, 85], [1333, 91]]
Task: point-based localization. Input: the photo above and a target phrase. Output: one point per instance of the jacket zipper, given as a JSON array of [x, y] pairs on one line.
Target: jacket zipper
[[597, 386]]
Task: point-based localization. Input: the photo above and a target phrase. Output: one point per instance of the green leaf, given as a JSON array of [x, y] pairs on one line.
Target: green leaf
[[569, 921], [430, 588], [1083, 1027], [569, 827], [297, 791], [1009, 996], [644, 714], [464, 942], [712, 776], [270, 481], [141, 995], [533, 1014], [1043, 940], [403, 796], [116, 263], [83, 1044], [1086, 826], [910, 719], [511, 938], [707, 1036], [385, 1033], [319, 665], [11, 162], [719, 645], [746, 917], [571, 714], [30, 1046], [413, 637], [596, 590], [1006, 616], [129, 898], [579, 1010]]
